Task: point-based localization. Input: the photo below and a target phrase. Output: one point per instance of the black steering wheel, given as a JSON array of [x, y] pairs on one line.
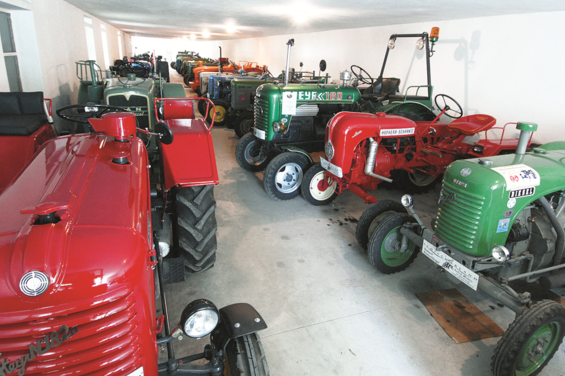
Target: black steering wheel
[[452, 108], [80, 113], [361, 75]]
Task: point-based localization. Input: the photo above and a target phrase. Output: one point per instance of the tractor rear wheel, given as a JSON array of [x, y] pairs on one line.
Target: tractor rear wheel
[[283, 176], [249, 155], [373, 216], [221, 113], [530, 341], [311, 187], [413, 182], [385, 246], [244, 124], [196, 227], [202, 104], [246, 357]]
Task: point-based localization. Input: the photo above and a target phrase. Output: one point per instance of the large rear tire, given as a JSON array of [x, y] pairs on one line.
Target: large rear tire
[[413, 182], [244, 124], [246, 357], [196, 227], [248, 157], [186, 80], [385, 252], [284, 174], [202, 105], [311, 184], [373, 216], [530, 341], [222, 108]]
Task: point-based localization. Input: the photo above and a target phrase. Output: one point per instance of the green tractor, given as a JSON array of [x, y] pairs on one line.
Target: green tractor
[[290, 121], [500, 219], [129, 93]]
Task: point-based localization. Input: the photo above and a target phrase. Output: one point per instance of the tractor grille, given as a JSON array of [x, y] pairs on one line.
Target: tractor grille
[[459, 217], [241, 98], [137, 104], [106, 342], [261, 114]]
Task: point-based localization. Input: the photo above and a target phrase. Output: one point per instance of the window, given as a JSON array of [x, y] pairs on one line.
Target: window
[[105, 49], [120, 44], [9, 50], [90, 45]]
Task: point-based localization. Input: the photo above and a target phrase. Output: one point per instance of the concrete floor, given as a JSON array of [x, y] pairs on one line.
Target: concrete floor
[[329, 312]]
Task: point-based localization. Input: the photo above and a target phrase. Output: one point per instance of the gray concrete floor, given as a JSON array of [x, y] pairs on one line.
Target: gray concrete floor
[[329, 312]]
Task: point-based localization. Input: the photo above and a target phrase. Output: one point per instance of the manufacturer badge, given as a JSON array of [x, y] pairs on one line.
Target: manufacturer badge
[[34, 283], [459, 182], [466, 172], [511, 203], [525, 192]]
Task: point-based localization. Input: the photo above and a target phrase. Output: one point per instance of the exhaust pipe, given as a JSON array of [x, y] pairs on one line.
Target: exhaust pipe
[[290, 43], [526, 130], [371, 159], [220, 62]]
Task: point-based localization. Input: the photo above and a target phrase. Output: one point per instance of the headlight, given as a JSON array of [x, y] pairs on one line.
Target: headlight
[[407, 201], [199, 318], [276, 126], [500, 253]]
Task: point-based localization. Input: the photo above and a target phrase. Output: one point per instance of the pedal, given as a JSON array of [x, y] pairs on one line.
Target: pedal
[[173, 270]]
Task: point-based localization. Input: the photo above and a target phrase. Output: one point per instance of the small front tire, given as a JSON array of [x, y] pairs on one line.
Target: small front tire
[[248, 156], [385, 246], [530, 341], [246, 357], [284, 175], [373, 216], [311, 184]]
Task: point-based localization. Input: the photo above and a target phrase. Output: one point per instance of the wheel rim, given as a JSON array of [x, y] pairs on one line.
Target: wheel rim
[[377, 221], [315, 187], [288, 178], [538, 349], [220, 114], [420, 178], [390, 253], [253, 159]]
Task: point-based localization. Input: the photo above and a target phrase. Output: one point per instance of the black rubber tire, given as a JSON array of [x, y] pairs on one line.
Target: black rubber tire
[[514, 341], [244, 154], [202, 106], [243, 124], [196, 227], [386, 235], [246, 357], [284, 174], [373, 216], [186, 80], [173, 64], [408, 183], [309, 189], [222, 116]]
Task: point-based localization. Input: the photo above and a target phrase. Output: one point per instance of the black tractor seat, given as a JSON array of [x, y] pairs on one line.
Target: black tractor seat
[[381, 89], [21, 114]]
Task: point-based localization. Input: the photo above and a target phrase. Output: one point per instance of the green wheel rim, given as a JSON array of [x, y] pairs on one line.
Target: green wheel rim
[[538, 349], [390, 253]]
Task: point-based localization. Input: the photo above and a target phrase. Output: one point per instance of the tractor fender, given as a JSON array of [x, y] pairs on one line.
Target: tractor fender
[[173, 90], [555, 145], [294, 149], [347, 129]]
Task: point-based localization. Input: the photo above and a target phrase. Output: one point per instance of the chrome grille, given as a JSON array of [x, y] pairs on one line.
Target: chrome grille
[[458, 221], [261, 114], [106, 342]]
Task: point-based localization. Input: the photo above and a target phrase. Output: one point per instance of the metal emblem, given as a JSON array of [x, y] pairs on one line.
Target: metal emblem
[[466, 172], [34, 283], [329, 149], [445, 198]]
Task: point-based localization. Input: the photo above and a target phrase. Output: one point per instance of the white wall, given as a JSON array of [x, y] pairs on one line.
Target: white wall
[[510, 67]]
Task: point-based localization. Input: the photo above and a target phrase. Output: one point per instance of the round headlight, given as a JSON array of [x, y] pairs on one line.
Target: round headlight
[[199, 318], [407, 201], [420, 44], [390, 44], [276, 126], [500, 253]]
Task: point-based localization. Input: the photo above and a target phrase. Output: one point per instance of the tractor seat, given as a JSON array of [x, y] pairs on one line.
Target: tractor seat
[[381, 88], [21, 125], [177, 109], [472, 124], [21, 114]]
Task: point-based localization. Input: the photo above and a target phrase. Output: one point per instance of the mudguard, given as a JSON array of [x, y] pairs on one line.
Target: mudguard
[[294, 149]]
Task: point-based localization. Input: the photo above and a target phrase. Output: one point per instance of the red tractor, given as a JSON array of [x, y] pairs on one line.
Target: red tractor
[[90, 229], [25, 124], [363, 150]]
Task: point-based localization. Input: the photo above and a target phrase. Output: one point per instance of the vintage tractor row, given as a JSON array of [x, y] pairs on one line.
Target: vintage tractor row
[[86, 246], [364, 150], [500, 219]]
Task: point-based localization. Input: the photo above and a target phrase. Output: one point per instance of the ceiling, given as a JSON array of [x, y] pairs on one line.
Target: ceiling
[[231, 19]]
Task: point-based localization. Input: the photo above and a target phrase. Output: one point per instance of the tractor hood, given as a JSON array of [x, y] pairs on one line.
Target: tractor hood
[[122, 84], [310, 93], [78, 214], [482, 200]]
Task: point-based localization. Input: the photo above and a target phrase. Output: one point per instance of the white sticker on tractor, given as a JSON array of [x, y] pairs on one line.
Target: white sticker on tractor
[[518, 176], [289, 102], [397, 132], [511, 203]]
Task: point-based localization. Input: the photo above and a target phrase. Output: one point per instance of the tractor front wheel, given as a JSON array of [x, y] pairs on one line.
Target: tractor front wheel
[[530, 341], [221, 112], [246, 357], [249, 155], [373, 216], [388, 252], [244, 124], [313, 188], [284, 175], [196, 227]]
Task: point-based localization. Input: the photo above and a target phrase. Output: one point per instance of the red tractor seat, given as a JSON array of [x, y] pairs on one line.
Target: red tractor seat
[[472, 124]]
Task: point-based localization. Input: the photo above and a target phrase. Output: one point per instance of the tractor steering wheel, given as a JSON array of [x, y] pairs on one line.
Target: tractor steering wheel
[[361, 77], [452, 108], [80, 113]]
